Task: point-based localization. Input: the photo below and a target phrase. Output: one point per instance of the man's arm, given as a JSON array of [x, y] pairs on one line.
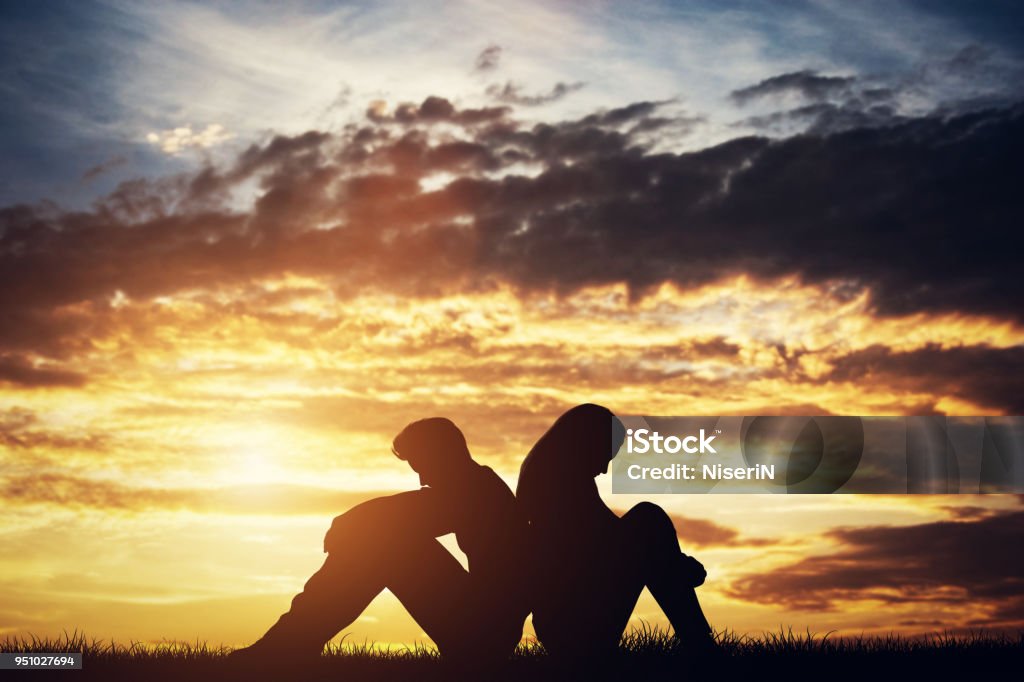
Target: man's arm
[[416, 513]]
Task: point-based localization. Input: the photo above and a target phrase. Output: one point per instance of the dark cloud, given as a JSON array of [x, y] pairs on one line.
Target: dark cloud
[[667, 126], [488, 58], [828, 117], [99, 169], [20, 372], [437, 110], [846, 207], [977, 563], [982, 375], [808, 84], [968, 512], [621, 115], [969, 58], [832, 104], [923, 215], [511, 93]]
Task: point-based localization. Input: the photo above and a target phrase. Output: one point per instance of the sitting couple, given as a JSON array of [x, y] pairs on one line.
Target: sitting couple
[[555, 549]]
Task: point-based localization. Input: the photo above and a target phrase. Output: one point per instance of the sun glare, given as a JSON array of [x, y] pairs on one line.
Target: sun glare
[[251, 455]]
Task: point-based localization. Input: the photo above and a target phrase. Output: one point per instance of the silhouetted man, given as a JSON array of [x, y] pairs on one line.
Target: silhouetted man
[[473, 616], [589, 565]]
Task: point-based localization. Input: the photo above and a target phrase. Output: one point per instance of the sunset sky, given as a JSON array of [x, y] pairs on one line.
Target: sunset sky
[[242, 246]]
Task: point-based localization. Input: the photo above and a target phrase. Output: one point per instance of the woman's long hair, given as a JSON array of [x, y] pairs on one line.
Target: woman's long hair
[[565, 460]]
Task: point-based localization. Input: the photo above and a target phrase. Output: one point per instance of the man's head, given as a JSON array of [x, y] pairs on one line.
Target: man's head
[[435, 449]]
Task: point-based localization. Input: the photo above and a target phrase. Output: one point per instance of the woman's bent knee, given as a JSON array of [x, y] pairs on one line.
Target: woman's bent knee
[[649, 525], [648, 516]]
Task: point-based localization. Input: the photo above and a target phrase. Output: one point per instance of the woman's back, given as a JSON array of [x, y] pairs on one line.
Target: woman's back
[[588, 566], [556, 488]]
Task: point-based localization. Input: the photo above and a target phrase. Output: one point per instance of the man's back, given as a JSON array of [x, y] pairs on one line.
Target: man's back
[[489, 527]]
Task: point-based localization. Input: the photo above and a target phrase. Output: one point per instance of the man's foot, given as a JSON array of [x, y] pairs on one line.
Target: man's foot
[[253, 656], [261, 653], [247, 653]]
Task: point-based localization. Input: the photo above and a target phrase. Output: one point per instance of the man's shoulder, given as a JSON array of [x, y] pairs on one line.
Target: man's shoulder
[[491, 484], [490, 474]]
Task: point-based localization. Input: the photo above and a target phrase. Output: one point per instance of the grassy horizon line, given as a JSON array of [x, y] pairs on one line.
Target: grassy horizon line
[[645, 653], [643, 639]]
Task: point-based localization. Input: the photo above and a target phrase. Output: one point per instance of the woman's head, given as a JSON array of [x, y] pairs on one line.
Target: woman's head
[[581, 442]]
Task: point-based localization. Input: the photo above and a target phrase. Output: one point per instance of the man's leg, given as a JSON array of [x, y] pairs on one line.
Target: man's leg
[[651, 547], [467, 624], [429, 582], [330, 600]]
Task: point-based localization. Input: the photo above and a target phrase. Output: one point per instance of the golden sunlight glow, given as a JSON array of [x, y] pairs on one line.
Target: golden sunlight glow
[[234, 424]]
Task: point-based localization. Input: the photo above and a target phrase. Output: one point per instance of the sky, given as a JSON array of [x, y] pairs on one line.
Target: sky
[[242, 245]]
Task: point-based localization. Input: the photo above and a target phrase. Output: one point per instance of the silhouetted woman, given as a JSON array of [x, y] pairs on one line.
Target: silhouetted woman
[[588, 564]]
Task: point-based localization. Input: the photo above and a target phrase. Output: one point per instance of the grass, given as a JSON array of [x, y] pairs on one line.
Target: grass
[[645, 654]]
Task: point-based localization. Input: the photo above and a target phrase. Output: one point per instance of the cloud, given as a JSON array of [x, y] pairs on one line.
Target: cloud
[[22, 430], [807, 84], [77, 492], [434, 110], [94, 172], [968, 512], [828, 117], [511, 93], [489, 58], [511, 201], [826, 104], [176, 140], [837, 208], [707, 533], [20, 372], [979, 374], [975, 564], [969, 58], [970, 80]]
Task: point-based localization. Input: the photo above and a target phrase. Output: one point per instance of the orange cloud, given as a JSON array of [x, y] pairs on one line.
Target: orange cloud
[[69, 492]]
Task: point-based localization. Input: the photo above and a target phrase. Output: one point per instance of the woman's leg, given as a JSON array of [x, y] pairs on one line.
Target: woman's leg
[[651, 546], [585, 591]]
